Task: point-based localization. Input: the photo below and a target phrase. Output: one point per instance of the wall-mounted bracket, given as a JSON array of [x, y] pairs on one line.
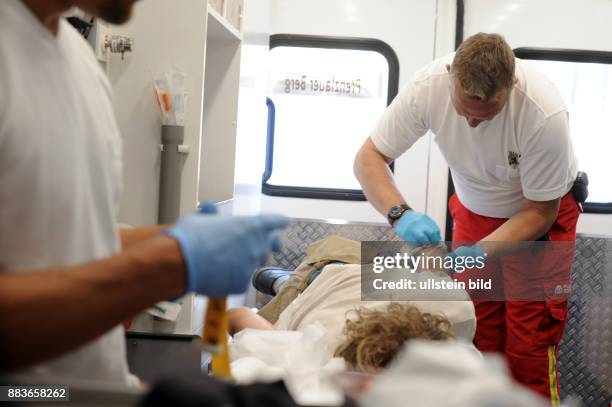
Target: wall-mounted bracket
[[118, 44]]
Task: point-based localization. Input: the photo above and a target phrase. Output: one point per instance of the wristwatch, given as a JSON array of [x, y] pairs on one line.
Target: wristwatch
[[396, 212]]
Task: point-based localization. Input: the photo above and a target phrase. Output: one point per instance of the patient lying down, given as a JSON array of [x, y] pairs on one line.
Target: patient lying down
[[366, 334], [371, 337]]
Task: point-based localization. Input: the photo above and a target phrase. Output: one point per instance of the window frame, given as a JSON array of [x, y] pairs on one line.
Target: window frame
[[311, 41], [578, 56]]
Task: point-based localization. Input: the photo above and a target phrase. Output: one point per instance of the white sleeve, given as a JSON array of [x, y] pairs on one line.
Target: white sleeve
[[546, 160], [403, 123]]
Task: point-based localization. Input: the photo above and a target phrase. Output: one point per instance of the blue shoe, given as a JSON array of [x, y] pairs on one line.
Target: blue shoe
[[264, 278]]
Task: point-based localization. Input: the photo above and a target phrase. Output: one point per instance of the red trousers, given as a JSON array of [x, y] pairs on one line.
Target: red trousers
[[526, 332]]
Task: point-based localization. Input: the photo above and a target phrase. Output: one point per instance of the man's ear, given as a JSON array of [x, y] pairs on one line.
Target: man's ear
[[448, 68]]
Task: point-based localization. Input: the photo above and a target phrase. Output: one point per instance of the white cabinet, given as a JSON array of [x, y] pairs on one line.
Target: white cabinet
[[234, 10], [221, 85], [217, 5], [191, 35], [231, 10]]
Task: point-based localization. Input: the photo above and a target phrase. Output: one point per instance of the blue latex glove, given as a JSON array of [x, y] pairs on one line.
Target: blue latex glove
[[207, 207], [221, 252], [418, 229], [474, 252]]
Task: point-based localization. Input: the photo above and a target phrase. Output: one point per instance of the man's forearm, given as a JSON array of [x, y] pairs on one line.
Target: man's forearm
[[376, 179], [130, 237], [44, 314], [528, 225]]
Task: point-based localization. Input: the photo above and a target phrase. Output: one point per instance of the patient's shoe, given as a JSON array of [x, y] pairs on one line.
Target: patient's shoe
[[269, 280]]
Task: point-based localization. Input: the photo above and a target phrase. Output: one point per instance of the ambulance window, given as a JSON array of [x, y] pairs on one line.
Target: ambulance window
[[325, 96], [584, 79]]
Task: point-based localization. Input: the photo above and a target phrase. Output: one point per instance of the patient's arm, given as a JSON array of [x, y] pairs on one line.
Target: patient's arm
[[242, 318]]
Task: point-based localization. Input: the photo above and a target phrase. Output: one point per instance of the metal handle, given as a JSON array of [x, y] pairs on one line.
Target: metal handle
[[269, 140]]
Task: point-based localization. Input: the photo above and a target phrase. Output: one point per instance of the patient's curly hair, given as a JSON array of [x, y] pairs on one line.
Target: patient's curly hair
[[374, 337]]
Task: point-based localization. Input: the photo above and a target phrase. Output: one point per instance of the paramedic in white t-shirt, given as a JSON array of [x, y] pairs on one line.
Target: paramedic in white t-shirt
[[68, 277], [503, 130]]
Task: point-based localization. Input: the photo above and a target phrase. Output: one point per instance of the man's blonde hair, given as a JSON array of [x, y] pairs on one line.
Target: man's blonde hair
[[372, 338], [484, 65]]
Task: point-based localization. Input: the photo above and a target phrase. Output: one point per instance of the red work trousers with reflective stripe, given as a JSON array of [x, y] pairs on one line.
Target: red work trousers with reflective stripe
[[526, 332]]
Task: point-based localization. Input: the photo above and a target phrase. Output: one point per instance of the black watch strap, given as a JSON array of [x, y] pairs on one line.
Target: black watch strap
[[396, 212]]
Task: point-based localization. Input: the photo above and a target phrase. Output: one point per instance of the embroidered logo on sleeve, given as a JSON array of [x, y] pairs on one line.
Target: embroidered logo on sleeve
[[513, 159]]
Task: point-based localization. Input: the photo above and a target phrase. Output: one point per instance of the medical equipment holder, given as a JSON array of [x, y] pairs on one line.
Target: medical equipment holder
[[172, 154]]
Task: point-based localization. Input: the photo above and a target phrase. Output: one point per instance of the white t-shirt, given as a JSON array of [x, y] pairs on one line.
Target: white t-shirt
[[524, 152], [337, 290], [60, 170]]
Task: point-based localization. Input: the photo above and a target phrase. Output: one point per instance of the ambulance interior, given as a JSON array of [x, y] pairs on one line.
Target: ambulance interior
[[280, 95]]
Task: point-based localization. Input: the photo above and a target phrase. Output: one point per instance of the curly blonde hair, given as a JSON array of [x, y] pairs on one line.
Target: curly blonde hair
[[374, 337]]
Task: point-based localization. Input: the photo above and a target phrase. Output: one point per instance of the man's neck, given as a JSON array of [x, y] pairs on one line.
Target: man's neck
[[48, 12]]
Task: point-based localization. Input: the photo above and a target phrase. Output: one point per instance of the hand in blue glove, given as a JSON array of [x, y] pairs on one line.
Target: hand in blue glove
[[208, 207], [474, 252], [417, 229], [221, 252]]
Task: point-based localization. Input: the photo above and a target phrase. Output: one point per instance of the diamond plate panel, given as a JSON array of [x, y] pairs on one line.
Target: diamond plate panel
[[585, 353], [300, 234]]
